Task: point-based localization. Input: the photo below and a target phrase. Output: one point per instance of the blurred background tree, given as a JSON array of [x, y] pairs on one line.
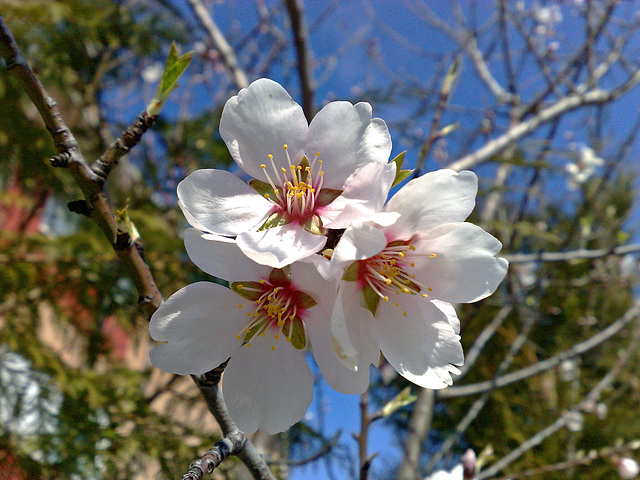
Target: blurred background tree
[[538, 98]]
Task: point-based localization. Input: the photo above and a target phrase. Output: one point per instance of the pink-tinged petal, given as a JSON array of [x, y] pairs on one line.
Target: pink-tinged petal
[[366, 193], [220, 256], [199, 323], [265, 389], [280, 246], [464, 268], [347, 138], [439, 197], [350, 326], [421, 345], [219, 202], [258, 122]]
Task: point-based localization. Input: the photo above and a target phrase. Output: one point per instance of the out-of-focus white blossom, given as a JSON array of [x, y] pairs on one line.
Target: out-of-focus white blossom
[[627, 467], [152, 73], [584, 168]]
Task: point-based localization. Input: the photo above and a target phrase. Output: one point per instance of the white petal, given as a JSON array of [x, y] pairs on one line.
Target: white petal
[[450, 312], [351, 327], [220, 256], [464, 268], [265, 389], [280, 246], [221, 203], [258, 122], [200, 323], [347, 138], [359, 242], [365, 193], [443, 196], [422, 346], [352, 380]]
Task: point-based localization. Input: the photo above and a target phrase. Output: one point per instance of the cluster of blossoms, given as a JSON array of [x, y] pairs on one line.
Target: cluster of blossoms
[[316, 260]]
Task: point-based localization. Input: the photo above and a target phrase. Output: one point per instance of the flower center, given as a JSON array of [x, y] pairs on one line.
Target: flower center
[[389, 272], [296, 192], [275, 307]]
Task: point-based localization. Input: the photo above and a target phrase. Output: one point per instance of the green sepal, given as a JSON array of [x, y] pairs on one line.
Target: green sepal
[[276, 219], [263, 188], [327, 195], [400, 174], [174, 67], [351, 273], [369, 299], [303, 300], [294, 330], [402, 399], [313, 225], [278, 277], [256, 328], [254, 294], [304, 164]]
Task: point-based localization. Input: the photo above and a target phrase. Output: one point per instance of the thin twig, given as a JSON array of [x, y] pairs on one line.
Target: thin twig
[[303, 51]]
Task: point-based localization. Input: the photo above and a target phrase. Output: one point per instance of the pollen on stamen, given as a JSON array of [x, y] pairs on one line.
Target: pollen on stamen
[[412, 264], [248, 314], [238, 337], [404, 314], [285, 146], [266, 195], [263, 166], [239, 306], [411, 247], [385, 299], [425, 295], [273, 348], [430, 289], [397, 304], [433, 255]]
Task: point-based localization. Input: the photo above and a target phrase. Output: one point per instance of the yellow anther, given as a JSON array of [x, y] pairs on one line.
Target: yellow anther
[[248, 314], [273, 348], [404, 314], [284, 170], [239, 306], [425, 295], [276, 336], [248, 345], [263, 166], [388, 281], [239, 286], [433, 255], [266, 195], [291, 317], [261, 281], [307, 169], [412, 264], [406, 290], [285, 146], [320, 172], [411, 247], [397, 304], [270, 156], [248, 330], [288, 339], [262, 334], [238, 337], [430, 289], [413, 276], [401, 254], [385, 299], [276, 191]]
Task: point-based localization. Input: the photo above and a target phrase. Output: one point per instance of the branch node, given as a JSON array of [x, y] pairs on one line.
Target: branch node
[[61, 160], [80, 207], [123, 241]]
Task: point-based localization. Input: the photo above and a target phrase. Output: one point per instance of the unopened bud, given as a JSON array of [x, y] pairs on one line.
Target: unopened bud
[[468, 464]]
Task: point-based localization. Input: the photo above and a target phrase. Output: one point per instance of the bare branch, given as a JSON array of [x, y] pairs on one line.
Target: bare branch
[[539, 367], [301, 41], [572, 255], [229, 60]]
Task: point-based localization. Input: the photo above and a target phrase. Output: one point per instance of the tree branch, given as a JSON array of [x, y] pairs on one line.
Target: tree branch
[[96, 205], [301, 41], [228, 56]]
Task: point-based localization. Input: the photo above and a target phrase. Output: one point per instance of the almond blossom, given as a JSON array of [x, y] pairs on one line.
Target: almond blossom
[[263, 323], [403, 268], [304, 174]]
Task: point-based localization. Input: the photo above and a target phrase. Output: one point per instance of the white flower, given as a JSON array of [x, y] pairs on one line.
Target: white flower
[[264, 323], [407, 265], [455, 474], [627, 467], [304, 174], [584, 168]]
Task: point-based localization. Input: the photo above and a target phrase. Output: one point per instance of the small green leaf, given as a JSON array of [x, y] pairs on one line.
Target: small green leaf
[[297, 334], [327, 195], [276, 219], [249, 290], [125, 224], [402, 399], [400, 173], [174, 67], [369, 299], [450, 78], [313, 225], [401, 176], [351, 273]]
